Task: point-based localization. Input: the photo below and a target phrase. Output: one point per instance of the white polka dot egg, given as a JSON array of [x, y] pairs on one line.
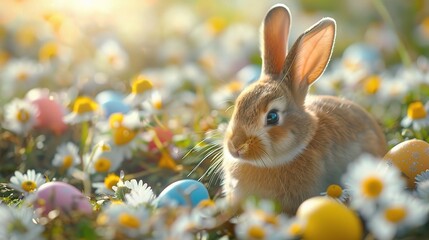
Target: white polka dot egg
[[411, 157]]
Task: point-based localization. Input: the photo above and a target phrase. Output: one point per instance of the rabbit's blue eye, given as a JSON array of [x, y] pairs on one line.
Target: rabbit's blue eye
[[273, 117]]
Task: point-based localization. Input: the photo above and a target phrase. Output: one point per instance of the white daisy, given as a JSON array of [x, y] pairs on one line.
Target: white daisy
[[67, 157], [20, 116], [154, 105], [140, 193], [417, 117], [102, 161], [84, 109], [125, 219], [28, 182], [253, 228], [19, 224], [289, 228], [423, 176], [422, 185], [106, 187], [368, 180], [141, 89], [336, 192], [397, 212], [179, 227], [20, 75], [124, 133], [111, 56]]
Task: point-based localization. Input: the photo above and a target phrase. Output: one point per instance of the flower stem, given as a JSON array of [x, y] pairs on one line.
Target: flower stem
[[402, 51]]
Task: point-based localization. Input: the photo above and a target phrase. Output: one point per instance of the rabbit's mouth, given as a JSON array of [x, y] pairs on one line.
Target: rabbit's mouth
[[248, 149]]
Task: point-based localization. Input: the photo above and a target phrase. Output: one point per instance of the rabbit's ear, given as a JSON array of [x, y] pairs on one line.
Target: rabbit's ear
[[274, 39], [310, 55]]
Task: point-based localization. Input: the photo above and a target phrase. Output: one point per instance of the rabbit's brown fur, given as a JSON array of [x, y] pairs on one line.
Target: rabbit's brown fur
[[316, 136]]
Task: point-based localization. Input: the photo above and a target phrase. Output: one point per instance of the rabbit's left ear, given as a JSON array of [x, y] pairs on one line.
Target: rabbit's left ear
[[274, 39], [310, 55]]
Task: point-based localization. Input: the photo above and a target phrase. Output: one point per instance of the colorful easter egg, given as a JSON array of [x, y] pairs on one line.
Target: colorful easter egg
[[411, 157], [185, 192], [61, 196], [49, 115], [359, 55], [108, 95], [326, 218], [164, 136], [114, 106], [249, 74]]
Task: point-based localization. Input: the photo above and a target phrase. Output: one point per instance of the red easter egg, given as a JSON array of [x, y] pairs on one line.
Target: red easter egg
[[50, 115], [61, 196], [164, 135]]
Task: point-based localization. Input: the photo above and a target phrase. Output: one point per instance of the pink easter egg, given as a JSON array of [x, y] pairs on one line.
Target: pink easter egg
[[164, 135], [50, 115], [61, 196]]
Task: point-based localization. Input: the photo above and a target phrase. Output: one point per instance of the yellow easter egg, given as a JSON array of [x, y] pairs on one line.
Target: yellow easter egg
[[328, 219], [411, 158]]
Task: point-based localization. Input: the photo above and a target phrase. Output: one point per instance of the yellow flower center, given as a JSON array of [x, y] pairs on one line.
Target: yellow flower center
[[129, 220], [268, 218], [141, 85], [28, 186], [395, 214], [23, 115], [123, 135], [26, 36], [157, 104], [115, 120], [111, 180], [112, 59], [55, 20], [48, 51], [217, 24], [256, 232], [206, 203], [425, 26], [334, 191], [4, 57], [22, 76], [295, 229], [372, 187], [105, 147], [102, 219], [67, 162], [416, 110], [102, 165], [372, 84], [84, 105], [235, 86]]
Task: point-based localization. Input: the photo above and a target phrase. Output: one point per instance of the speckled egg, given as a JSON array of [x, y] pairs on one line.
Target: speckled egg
[[326, 218], [411, 157], [61, 196], [185, 192]]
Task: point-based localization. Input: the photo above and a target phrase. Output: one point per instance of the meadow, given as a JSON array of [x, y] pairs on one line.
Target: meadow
[[105, 104]]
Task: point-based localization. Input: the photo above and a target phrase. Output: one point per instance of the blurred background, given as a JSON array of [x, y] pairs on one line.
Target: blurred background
[[99, 42]]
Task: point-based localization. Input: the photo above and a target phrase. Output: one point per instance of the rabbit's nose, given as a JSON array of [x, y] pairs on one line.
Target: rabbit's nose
[[237, 149], [233, 150]]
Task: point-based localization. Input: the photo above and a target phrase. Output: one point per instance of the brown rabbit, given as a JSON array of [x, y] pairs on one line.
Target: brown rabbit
[[280, 143]]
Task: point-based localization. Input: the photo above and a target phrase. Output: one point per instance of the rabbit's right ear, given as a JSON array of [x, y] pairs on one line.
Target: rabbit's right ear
[[274, 39]]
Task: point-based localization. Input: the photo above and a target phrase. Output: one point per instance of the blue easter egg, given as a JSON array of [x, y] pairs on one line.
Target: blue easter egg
[[114, 106], [108, 95], [249, 74], [364, 54], [185, 192]]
